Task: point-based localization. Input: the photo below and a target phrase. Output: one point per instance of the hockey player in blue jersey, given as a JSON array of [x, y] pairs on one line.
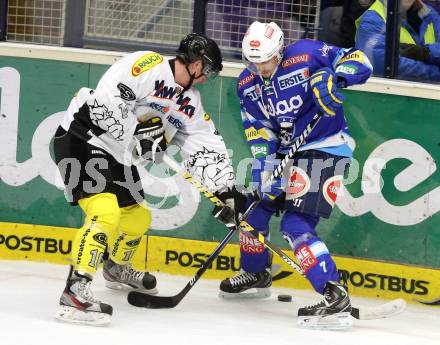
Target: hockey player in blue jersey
[[280, 91]]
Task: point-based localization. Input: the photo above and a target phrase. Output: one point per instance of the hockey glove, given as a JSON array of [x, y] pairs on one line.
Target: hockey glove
[[261, 172], [150, 138], [272, 191], [325, 92], [235, 205]]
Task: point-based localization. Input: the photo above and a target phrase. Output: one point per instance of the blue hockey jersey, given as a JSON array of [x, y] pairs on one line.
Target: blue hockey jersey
[[276, 111]]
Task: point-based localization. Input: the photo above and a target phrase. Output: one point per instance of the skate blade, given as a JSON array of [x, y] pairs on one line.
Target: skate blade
[[76, 316], [124, 287], [337, 321], [248, 294]]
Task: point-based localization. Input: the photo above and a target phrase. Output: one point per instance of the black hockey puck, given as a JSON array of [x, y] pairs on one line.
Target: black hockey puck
[[285, 298]]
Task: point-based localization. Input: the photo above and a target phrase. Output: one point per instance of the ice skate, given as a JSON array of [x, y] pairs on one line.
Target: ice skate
[[78, 305], [247, 285], [331, 313], [121, 277]]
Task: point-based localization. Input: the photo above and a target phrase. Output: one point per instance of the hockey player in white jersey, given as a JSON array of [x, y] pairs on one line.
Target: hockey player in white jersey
[[143, 103]]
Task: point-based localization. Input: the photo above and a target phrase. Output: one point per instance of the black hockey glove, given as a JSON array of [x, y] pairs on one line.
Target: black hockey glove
[[235, 205], [150, 138]]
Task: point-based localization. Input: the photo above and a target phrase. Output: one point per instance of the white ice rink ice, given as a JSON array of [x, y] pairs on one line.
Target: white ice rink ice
[[29, 295]]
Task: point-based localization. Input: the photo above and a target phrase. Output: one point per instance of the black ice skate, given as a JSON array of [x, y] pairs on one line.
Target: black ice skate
[[331, 313], [247, 285], [120, 277], [77, 304]]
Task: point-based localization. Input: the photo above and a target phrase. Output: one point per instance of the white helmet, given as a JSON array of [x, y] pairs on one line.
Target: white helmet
[[261, 42]]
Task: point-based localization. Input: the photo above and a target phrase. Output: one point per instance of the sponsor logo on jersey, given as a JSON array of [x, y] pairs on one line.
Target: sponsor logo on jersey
[[293, 60], [158, 107], [185, 106], [126, 93], [385, 282], [331, 188], [324, 50], [145, 62], [347, 69], [252, 134], [259, 150], [285, 106], [163, 91], [175, 122], [298, 184], [250, 244], [305, 257], [251, 93], [355, 56], [294, 78], [246, 80]]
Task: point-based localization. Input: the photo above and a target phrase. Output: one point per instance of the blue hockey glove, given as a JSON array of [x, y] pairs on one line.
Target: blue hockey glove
[[271, 192], [325, 91], [261, 172]]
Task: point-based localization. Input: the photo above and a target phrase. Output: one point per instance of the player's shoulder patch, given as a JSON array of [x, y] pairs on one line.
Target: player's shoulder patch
[[295, 54], [295, 59], [245, 78], [353, 56], [146, 62]]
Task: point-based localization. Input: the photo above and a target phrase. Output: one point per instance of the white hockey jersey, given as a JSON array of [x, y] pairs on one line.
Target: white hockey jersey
[[137, 87]]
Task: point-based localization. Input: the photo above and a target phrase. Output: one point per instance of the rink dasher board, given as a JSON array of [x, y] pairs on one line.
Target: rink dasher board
[[367, 278], [396, 222]]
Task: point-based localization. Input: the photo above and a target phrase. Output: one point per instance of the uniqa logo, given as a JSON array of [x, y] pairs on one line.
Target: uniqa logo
[[284, 107], [16, 174]]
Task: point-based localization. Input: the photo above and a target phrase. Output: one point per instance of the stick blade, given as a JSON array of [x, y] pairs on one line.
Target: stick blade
[[139, 299], [391, 308]]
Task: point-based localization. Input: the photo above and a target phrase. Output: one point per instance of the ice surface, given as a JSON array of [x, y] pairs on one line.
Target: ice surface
[[29, 295]]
